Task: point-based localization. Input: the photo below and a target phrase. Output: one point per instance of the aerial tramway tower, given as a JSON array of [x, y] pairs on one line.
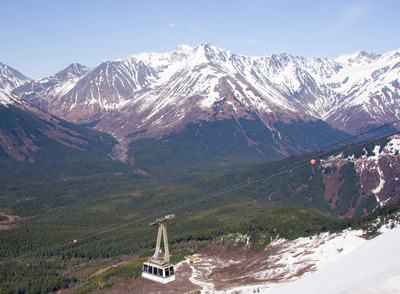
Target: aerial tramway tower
[[157, 269]]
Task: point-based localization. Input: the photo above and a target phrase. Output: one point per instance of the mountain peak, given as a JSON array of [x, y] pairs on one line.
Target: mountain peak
[[360, 57], [74, 70], [10, 78], [184, 47]]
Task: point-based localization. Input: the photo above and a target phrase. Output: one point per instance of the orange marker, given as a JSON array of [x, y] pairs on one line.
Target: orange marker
[[75, 240], [313, 161]]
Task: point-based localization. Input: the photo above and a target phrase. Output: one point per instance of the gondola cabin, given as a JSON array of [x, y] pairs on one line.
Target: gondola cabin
[[158, 273], [156, 269]]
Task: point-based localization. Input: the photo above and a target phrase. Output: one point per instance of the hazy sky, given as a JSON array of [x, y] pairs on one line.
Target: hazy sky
[[40, 38]]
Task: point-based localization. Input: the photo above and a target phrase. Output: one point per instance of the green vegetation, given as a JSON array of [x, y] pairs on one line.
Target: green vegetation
[[36, 277], [310, 135], [224, 145], [49, 245], [349, 191], [47, 242], [200, 148], [129, 270], [294, 222], [369, 222]]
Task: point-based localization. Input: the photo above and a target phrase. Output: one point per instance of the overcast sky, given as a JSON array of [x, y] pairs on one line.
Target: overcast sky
[[42, 37]]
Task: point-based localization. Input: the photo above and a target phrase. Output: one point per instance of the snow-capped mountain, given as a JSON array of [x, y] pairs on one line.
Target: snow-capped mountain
[[161, 92], [44, 92], [370, 90], [9, 79], [150, 95], [74, 70]]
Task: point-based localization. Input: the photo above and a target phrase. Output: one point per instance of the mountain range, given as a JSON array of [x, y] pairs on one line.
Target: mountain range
[[197, 108], [150, 95]]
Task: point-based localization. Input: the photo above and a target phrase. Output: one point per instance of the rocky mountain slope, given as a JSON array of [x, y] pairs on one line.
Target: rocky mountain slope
[[26, 129], [52, 87], [377, 168], [372, 173], [349, 181]]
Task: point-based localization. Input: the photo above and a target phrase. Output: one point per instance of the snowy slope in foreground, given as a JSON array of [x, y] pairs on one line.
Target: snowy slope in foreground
[[372, 268]]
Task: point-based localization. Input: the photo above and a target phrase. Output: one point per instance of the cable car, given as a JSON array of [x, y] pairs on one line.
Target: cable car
[[157, 269]]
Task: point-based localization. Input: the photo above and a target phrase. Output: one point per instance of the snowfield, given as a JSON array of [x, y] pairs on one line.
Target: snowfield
[[372, 267]]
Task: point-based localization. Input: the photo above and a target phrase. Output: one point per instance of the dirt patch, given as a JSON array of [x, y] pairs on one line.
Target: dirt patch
[[9, 221]]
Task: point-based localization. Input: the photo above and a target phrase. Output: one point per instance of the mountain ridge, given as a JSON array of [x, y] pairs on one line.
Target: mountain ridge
[[150, 95], [315, 86]]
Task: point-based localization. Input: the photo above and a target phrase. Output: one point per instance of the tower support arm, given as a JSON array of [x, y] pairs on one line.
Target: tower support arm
[[162, 230]]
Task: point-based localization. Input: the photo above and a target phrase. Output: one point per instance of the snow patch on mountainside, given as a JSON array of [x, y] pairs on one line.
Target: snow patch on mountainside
[[281, 261], [372, 162], [317, 251], [371, 268], [343, 263], [5, 98], [365, 76]]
